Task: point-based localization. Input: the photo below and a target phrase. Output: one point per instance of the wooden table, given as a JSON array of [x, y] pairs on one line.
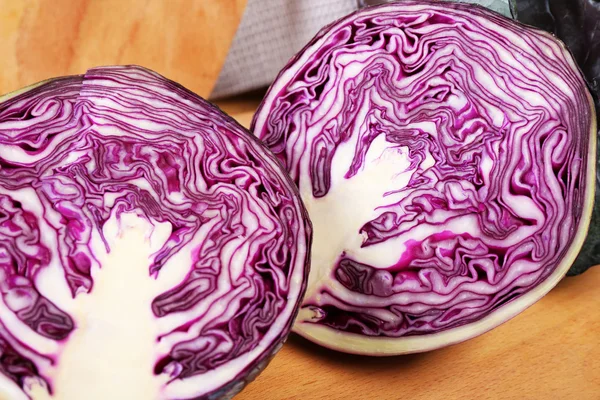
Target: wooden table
[[550, 351], [185, 40]]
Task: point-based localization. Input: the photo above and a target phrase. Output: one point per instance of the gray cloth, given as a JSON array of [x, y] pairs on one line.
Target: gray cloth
[[500, 6], [272, 31]]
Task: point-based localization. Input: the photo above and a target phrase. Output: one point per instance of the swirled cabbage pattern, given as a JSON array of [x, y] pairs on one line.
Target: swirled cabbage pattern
[[78, 152], [441, 151]]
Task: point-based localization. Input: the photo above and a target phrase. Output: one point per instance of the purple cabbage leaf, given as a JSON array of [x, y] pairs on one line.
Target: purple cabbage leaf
[[446, 157], [577, 24], [150, 247]]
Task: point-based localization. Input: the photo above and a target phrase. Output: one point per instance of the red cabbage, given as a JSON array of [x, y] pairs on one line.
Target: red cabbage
[[150, 247], [575, 22], [445, 155]]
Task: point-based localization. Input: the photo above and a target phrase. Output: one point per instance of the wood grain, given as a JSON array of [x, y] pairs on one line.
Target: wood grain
[[185, 40], [550, 351]]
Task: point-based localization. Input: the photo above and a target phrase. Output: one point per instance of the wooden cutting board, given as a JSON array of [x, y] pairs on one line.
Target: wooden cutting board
[[550, 351], [185, 40]]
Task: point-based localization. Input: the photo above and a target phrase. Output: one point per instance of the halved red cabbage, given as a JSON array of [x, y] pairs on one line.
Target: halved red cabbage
[[445, 155], [150, 247]]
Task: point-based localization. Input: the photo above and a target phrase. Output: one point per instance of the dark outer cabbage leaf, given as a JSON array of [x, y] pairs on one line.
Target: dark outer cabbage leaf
[[577, 23]]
